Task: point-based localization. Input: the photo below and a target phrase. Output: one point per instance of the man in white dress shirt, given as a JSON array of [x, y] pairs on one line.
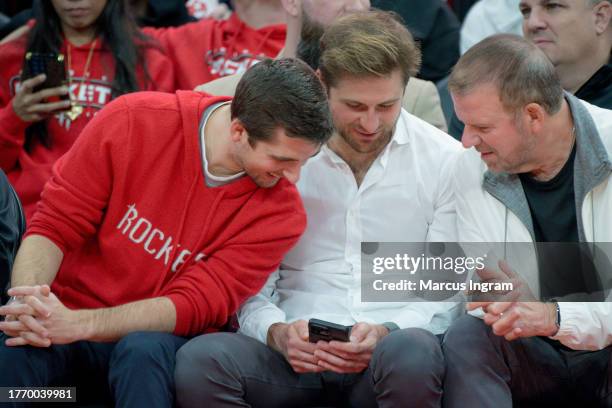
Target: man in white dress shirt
[[384, 176]]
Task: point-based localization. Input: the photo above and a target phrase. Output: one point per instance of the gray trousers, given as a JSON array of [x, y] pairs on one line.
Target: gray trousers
[[232, 370], [485, 370]]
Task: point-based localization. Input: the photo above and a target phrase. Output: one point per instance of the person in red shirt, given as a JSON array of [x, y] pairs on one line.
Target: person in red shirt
[[209, 49], [105, 56], [167, 213]]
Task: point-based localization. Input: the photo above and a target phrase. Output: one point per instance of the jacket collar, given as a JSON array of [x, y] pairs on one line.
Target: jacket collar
[[591, 167]]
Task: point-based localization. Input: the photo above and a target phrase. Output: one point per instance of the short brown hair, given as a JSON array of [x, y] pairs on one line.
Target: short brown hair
[[368, 43], [284, 93], [519, 70]]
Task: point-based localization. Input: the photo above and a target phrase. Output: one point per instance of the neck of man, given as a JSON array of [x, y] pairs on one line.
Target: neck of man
[[573, 76], [554, 146], [218, 143], [258, 14], [358, 162], [79, 37]]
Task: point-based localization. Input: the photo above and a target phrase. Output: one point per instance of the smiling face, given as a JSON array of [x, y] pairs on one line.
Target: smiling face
[[565, 30], [267, 161], [495, 133], [365, 111]]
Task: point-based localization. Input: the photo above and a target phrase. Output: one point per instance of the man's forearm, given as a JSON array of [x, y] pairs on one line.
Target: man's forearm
[[111, 324], [37, 262]]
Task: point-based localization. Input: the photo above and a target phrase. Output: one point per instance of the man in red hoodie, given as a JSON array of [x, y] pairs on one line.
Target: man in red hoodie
[[208, 49], [169, 211]]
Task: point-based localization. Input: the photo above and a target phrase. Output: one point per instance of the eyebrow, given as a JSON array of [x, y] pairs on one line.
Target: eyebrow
[[387, 102], [283, 158]]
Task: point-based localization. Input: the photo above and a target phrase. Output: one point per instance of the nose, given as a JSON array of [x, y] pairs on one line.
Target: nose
[[533, 22], [470, 138], [370, 121]]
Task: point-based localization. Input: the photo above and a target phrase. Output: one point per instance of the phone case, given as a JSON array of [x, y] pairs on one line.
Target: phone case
[[327, 331], [50, 64]]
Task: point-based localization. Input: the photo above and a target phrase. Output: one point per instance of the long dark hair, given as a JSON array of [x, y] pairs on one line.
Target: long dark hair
[[120, 35]]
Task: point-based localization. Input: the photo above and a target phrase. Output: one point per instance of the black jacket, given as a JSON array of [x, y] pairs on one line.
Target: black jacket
[[12, 227], [434, 25]]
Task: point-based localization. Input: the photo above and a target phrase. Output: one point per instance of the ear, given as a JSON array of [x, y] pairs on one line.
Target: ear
[[602, 13], [292, 7], [534, 116], [237, 131]]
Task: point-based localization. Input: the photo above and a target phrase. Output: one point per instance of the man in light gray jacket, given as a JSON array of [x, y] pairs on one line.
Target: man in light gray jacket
[[543, 175]]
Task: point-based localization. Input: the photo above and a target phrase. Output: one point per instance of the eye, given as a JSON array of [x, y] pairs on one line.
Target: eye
[[552, 6], [386, 106], [525, 11]]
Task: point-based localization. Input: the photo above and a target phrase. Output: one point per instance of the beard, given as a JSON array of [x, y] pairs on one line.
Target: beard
[[386, 134], [309, 49]]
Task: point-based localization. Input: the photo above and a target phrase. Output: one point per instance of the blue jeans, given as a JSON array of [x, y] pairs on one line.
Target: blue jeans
[[136, 371]]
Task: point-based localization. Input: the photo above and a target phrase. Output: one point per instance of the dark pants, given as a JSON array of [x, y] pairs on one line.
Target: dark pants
[[136, 371], [485, 370], [232, 370]]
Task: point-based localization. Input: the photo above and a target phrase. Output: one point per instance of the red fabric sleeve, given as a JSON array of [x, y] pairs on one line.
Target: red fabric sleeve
[[12, 135], [73, 201], [206, 293]]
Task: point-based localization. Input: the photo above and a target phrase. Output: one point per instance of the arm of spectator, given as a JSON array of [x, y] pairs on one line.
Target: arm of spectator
[[20, 111], [37, 262], [16, 34], [585, 326], [421, 98], [224, 86], [260, 312]]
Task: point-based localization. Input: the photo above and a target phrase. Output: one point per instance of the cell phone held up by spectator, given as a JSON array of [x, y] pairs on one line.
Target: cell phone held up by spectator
[[52, 65], [327, 331]]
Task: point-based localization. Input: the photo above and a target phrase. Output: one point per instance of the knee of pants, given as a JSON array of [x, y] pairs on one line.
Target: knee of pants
[[410, 351], [143, 347], [466, 336], [203, 356], [17, 359]]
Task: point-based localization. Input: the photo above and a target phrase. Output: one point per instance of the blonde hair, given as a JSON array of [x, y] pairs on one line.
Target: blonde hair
[[368, 43]]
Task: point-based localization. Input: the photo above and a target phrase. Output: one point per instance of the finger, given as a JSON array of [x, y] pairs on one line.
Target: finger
[[28, 338], [505, 267], [29, 84], [301, 329], [335, 360], [505, 323], [47, 108], [45, 290], [24, 290], [48, 92], [39, 308], [498, 308], [475, 305], [487, 274], [34, 326], [302, 367], [14, 326], [514, 334], [359, 331], [342, 370], [16, 309], [298, 355]]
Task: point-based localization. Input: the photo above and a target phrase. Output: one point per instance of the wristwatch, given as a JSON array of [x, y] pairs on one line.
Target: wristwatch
[[390, 326], [558, 317]]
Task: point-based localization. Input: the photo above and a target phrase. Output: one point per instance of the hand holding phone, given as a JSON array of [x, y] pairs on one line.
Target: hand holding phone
[[327, 331]]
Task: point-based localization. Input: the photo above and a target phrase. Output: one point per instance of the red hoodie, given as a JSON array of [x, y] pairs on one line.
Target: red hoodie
[[129, 207], [209, 49], [28, 171]]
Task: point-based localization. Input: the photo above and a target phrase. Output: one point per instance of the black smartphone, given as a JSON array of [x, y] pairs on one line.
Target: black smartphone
[[327, 331], [45, 63]]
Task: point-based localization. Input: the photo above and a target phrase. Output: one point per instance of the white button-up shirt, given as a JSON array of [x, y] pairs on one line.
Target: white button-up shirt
[[406, 196]]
